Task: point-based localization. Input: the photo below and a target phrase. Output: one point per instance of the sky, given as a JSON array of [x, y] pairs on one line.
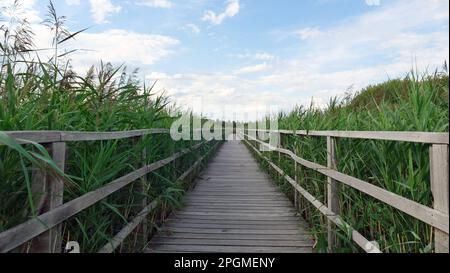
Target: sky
[[244, 56]]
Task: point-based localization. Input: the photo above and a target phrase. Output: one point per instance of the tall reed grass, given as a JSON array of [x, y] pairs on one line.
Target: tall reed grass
[[412, 103], [37, 94]]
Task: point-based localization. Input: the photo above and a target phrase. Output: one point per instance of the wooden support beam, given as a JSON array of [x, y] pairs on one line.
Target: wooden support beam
[[439, 169], [48, 191], [332, 191], [296, 181], [143, 186]]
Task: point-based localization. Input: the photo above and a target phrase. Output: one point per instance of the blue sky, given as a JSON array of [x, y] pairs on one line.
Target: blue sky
[[250, 54]]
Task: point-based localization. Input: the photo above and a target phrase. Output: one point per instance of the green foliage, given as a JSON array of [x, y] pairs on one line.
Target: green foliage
[[410, 104], [48, 95]]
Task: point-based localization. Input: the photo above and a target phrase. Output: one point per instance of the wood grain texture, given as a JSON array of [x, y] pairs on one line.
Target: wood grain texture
[[439, 187], [234, 208], [60, 136], [418, 137]]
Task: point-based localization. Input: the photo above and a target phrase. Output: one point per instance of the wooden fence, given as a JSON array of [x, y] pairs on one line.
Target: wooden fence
[[437, 217], [45, 229]]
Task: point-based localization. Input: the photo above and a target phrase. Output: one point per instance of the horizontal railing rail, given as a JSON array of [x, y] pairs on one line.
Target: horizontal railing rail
[[437, 217], [59, 212], [417, 137], [64, 136]]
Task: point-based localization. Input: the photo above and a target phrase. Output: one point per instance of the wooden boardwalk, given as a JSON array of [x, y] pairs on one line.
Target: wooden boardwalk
[[235, 207]]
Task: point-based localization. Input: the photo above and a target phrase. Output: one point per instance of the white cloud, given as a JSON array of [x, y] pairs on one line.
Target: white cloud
[[232, 9], [117, 46], [260, 56], [307, 33], [156, 3], [252, 69], [373, 2], [123, 46], [101, 9], [73, 2], [194, 28], [358, 51], [25, 9]]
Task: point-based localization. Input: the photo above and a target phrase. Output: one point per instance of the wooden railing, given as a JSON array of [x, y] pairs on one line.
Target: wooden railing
[[437, 217], [45, 229]]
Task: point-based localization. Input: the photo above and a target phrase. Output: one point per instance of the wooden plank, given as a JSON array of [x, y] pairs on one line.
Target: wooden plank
[[222, 203], [279, 226], [236, 199], [120, 237], [418, 137], [183, 235], [244, 211], [231, 242], [96, 136], [183, 216], [439, 168], [59, 136], [231, 208], [229, 249], [24, 232], [263, 222], [231, 231], [23, 137]]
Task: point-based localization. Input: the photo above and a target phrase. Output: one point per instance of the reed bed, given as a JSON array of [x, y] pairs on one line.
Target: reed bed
[[37, 94], [412, 103]]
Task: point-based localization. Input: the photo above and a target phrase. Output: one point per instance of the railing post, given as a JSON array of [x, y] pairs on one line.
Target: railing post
[[246, 131], [141, 190], [224, 137], [439, 169], [279, 145], [332, 190], [296, 182], [48, 193]]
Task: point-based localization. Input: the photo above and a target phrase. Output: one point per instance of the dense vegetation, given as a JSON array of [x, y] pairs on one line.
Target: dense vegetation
[[409, 104], [38, 94]]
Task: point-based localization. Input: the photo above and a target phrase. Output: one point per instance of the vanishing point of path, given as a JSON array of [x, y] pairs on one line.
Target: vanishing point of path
[[235, 207]]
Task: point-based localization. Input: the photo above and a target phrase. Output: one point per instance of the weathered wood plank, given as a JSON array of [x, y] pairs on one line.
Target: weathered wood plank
[[262, 222], [439, 168], [120, 237], [230, 242], [279, 226], [60, 136], [255, 237], [228, 249], [419, 137], [232, 231]]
